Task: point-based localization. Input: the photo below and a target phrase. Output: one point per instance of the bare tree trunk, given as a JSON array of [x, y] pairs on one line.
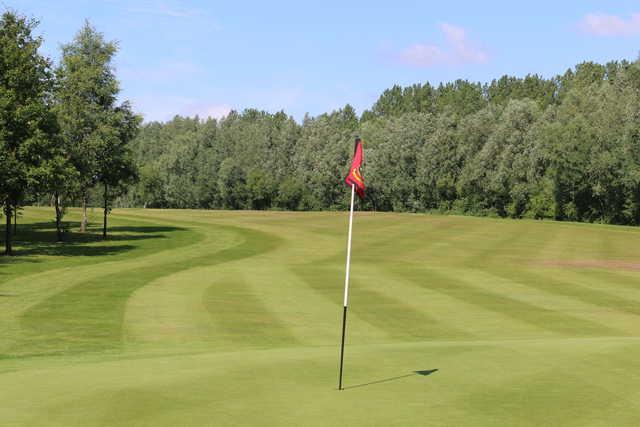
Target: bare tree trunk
[[85, 219], [58, 217], [7, 230], [15, 221], [106, 207]]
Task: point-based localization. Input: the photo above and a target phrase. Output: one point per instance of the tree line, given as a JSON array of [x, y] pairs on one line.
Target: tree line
[[564, 148], [63, 134]]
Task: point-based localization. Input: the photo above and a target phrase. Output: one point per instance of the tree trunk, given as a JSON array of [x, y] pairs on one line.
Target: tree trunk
[[58, 217], [7, 230], [106, 207], [85, 220], [15, 221]]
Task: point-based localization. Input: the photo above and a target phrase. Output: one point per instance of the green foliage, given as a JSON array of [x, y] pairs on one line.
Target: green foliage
[[392, 150], [97, 132], [565, 148], [290, 194], [531, 87], [322, 157], [114, 158], [260, 189], [86, 91], [28, 129]]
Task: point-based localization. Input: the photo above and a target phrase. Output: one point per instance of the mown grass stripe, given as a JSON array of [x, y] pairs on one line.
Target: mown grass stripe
[[391, 315], [89, 316], [549, 283], [543, 318], [242, 318], [629, 280]]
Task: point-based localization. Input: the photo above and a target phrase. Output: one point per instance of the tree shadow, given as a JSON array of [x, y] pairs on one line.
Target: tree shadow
[[63, 249], [385, 380], [41, 239], [45, 232]]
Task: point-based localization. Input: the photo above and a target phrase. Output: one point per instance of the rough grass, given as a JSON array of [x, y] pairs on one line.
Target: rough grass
[[217, 318]]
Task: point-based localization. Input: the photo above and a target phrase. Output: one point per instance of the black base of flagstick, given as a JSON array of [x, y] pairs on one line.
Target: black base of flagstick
[[344, 328]]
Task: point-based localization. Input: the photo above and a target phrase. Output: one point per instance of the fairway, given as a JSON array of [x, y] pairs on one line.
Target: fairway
[[187, 317]]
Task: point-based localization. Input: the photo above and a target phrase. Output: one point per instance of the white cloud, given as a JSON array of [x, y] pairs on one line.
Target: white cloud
[[458, 49], [600, 24], [204, 111], [158, 107]]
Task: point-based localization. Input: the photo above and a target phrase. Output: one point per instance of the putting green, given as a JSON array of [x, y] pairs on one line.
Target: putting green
[[233, 318]]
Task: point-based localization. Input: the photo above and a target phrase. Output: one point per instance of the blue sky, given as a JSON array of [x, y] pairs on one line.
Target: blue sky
[[206, 57]]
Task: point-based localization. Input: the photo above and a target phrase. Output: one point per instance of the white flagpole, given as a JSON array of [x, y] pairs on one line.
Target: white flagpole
[[346, 278], [346, 285]]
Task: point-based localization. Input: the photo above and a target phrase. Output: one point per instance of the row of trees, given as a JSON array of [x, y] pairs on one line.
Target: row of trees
[[62, 132], [566, 148]]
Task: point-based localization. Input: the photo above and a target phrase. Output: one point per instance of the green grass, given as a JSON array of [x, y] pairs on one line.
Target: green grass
[[233, 318]]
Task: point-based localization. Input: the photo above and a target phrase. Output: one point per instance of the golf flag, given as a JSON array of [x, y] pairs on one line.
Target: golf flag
[[356, 182], [354, 177]]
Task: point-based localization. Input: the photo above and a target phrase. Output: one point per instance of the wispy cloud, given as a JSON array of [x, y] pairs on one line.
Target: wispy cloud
[[600, 24], [457, 49]]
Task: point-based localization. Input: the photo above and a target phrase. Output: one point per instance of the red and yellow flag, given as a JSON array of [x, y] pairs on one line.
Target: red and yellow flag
[[354, 177]]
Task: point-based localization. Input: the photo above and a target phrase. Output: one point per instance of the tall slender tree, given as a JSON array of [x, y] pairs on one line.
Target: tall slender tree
[[86, 94]]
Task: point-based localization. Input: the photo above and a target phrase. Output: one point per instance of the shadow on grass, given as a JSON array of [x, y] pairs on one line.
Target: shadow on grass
[[385, 380], [41, 239]]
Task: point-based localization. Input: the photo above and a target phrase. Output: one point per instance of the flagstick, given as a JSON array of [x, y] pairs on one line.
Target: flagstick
[[346, 286]]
